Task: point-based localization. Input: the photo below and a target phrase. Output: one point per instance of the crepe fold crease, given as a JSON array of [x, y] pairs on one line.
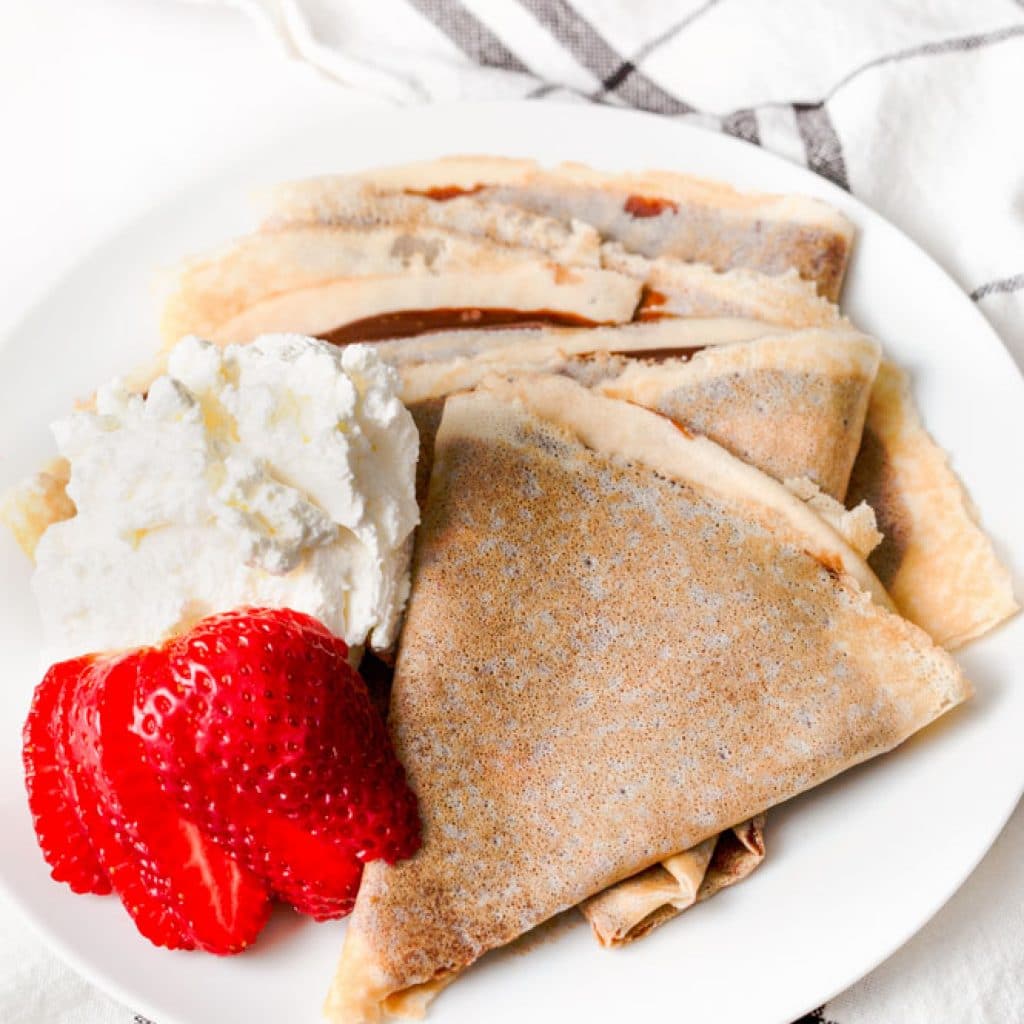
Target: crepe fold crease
[[638, 905], [570, 539]]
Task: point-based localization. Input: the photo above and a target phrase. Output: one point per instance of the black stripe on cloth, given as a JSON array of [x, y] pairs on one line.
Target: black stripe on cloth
[[591, 49], [742, 124], [470, 34], [960, 44], [822, 147], [814, 1017], [1005, 284]]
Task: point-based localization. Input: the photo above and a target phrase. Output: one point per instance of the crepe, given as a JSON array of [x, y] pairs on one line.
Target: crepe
[[654, 213], [791, 403], [568, 540], [631, 909], [33, 505], [321, 280], [935, 560], [675, 288], [654, 339], [355, 204]]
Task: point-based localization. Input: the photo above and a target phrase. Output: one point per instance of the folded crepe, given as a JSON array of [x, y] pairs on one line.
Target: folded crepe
[[631, 909], [652, 339], [672, 287], [654, 213], [362, 283], [791, 404], [935, 560], [621, 641], [675, 288], [356, 204]]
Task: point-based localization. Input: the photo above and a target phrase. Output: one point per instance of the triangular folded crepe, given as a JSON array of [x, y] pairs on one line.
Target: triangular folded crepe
[[621, 640], [672, 287], [790, 404], [324, 280], [653, 213], [935, 560], [793, 404]]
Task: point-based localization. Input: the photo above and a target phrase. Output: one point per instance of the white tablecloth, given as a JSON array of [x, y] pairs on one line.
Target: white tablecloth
[[111, 105]]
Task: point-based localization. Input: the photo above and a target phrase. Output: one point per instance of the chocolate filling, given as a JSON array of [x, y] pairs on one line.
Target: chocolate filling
[[442, 193], [408, 323], [659, 355]]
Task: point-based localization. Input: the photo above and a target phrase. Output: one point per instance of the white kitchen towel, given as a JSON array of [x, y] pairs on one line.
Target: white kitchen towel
[[913, 105]]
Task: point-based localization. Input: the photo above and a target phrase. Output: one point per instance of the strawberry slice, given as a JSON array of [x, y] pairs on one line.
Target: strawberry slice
[[52, 800], [182, 890], [144, 894], [267, 738]]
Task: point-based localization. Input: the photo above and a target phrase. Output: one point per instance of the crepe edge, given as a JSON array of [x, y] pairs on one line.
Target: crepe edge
[[949, 551], [620, 429]]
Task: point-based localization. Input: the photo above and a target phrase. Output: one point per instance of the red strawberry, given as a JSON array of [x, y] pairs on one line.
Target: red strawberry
[[140, 889], [51, 798], [267, 739], [182, 890]]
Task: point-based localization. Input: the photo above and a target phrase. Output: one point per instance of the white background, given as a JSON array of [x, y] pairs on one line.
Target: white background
[[108, 106]]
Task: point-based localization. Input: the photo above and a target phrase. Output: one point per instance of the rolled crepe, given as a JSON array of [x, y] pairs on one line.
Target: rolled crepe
[[569, 538], [324, 280], [654, 213], [631, 909], [935, 559]]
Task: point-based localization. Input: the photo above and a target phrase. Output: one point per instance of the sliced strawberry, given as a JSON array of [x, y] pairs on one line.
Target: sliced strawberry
[[316, 877], [51, 798], [143, 892], [268, 740], [223, 906]]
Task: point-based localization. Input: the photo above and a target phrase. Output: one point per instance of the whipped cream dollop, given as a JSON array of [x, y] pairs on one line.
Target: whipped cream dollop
[[279, 473]]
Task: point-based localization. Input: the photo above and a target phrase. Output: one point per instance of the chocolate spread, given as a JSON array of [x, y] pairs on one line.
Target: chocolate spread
[[408, 323]]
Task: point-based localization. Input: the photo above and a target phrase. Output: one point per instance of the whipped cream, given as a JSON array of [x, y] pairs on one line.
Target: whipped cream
[[279, 473]]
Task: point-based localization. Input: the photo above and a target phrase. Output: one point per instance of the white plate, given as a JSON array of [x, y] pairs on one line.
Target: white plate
[[855, 868]]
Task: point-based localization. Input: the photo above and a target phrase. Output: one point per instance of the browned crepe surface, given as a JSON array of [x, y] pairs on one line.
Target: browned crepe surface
[[547, 767]]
